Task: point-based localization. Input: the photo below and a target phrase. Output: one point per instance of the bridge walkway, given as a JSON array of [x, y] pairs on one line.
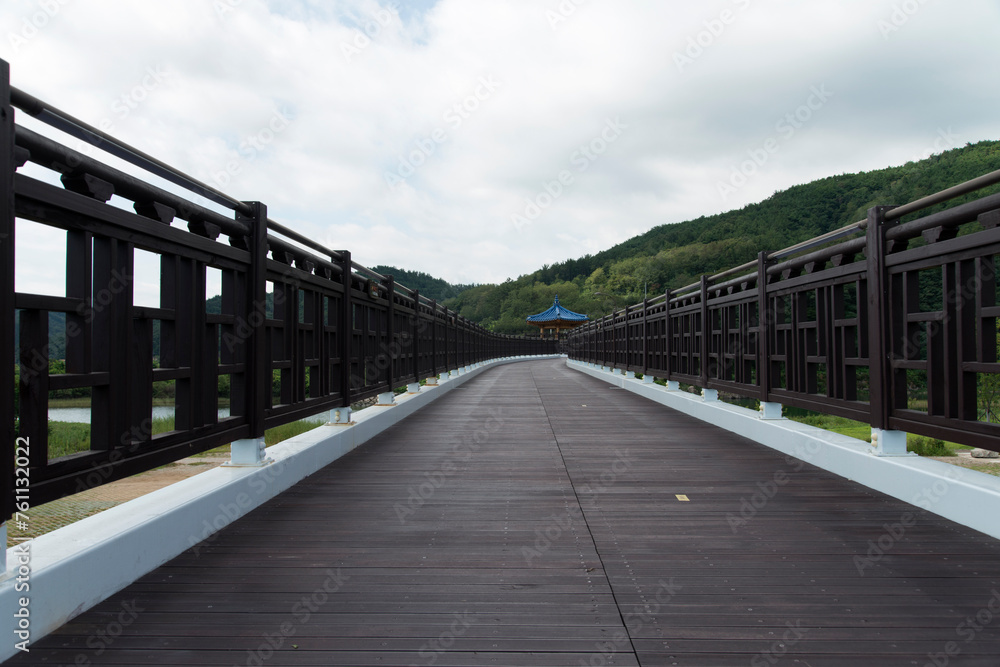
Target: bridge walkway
[[537, 516]]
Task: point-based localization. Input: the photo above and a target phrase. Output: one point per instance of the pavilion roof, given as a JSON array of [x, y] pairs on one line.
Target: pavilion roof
[[557, 313]]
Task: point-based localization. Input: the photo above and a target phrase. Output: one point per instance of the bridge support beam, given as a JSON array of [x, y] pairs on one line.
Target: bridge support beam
[[432, 381], [889, 443], [340, 416], [709, 395], [386, 399], [648, 379], [629, 375], [770, 410], [247, 452], [413, 388], [673, 385]]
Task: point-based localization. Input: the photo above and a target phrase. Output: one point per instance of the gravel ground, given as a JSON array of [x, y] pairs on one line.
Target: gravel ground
[[46, 518]]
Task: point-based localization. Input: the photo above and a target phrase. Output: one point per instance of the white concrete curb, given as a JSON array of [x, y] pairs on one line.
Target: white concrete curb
[[967, 497], [76, 567]]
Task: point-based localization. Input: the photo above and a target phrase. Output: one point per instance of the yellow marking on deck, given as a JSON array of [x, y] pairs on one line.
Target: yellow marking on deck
[[681, 497]]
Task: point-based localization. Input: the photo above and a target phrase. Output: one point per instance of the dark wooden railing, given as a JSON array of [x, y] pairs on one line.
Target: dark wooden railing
[[302, 329], [868, 328]]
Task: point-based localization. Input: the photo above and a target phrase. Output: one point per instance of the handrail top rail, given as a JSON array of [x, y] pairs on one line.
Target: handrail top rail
[[73, 126]]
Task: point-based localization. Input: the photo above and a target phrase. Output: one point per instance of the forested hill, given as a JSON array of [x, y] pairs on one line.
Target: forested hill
[[673, 255], [426, 284]]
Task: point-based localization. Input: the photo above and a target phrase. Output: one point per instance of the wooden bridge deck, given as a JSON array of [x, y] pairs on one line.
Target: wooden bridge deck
[[536, 516]]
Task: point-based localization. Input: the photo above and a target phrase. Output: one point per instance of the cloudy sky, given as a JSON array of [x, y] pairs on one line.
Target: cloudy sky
[[478, 140]]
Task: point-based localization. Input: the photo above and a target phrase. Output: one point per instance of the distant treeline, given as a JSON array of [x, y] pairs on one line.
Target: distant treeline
[[673, 255]]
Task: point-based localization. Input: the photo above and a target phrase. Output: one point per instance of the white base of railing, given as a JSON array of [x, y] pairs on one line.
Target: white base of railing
[[889, 443], [75, 567], [770, 410], [340, 417], [964, 496], [248, 452]]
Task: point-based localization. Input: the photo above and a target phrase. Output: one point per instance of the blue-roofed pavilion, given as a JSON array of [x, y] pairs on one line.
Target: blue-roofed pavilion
[[557, 318]]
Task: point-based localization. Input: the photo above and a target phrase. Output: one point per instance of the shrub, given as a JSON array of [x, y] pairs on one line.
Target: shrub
[[927, 446]]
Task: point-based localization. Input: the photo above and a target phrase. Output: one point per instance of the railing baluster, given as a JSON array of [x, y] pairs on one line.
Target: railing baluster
[[7, 391], [258, 372]]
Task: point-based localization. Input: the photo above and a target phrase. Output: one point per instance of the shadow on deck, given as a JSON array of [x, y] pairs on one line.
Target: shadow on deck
[[537, 516]]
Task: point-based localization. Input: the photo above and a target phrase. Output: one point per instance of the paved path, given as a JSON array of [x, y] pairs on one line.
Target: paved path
[[537, 516]]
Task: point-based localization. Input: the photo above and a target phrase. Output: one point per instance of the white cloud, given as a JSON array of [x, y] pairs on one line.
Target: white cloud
[[359, 103]]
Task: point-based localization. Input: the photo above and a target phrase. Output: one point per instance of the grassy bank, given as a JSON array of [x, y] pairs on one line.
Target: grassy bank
[[67, 438], [915, 443]]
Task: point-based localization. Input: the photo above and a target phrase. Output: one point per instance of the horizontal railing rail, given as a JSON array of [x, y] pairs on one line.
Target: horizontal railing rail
[[858, 323], [299, 328]]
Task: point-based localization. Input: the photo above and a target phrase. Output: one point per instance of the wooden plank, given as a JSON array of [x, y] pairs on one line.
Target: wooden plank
[[507, 524]]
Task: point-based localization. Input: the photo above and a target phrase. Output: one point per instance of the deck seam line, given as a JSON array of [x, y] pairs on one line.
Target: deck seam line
[[597, 550]]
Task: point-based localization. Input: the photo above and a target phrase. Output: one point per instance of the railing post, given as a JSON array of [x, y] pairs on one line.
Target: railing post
[[614, 341], [390, 333], [765, 320], [628, 342], [704, 332], [415, 337], [7, 391], [345, 326], [668, 329], [645, 339], [434, 342], [250, 451], [885, 442]]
